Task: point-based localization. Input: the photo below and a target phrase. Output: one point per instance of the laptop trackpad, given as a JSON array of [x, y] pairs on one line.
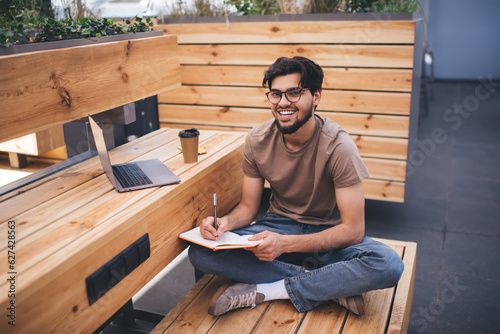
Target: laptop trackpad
[[157, 171]]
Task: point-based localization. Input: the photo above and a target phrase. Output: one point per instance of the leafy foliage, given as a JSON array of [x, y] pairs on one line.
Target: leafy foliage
[[259, 7], [255, 7], [9, 9], [28, 27]]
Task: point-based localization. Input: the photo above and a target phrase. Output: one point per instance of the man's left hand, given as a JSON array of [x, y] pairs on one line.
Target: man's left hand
[[270, 248]]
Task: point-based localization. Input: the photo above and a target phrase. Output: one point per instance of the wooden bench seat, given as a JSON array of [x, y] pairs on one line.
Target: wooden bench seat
[[387, 311]]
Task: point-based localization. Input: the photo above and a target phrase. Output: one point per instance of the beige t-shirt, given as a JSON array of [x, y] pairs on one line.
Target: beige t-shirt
[[303, 182]]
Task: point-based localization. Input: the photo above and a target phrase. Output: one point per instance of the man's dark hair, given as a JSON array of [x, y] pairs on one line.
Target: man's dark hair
[[311, 74]]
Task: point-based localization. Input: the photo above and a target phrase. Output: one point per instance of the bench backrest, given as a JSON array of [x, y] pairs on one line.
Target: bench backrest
[[42, 89], [367, 88]]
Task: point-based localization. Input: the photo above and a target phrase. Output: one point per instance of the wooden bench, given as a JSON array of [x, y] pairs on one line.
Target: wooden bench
[[72, 223], [387, 311], [65, 226], [371, 86]]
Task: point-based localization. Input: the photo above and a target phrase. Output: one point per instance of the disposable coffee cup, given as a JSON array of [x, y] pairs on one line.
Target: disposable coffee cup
[[189, 143]]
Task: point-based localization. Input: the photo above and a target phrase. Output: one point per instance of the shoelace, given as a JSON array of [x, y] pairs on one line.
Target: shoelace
[[242, 301]]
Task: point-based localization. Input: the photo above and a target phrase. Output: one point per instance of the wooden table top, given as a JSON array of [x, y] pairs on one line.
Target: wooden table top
[[71, 223]]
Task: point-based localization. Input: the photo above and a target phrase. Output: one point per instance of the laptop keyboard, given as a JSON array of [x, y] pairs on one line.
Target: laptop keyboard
[[130, 175]]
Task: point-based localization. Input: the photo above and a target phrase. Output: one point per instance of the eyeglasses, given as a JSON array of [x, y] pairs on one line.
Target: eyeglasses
[[291, 94]]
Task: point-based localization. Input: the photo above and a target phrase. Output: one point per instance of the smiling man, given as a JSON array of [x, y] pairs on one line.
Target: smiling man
[[313, 247]]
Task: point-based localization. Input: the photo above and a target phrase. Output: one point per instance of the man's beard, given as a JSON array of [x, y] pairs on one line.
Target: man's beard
[[297, 125]]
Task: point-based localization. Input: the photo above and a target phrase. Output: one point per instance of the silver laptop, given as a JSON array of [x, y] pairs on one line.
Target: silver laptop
[[133, 175]]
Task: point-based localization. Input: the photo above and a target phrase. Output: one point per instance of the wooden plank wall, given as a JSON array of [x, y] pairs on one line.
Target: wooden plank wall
[[367, 87]]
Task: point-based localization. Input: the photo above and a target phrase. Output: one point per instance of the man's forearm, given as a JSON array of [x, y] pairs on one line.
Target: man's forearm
[[241, 216], [336, 237]]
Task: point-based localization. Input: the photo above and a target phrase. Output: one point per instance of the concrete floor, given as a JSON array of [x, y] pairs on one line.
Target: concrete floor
[[451, 210]]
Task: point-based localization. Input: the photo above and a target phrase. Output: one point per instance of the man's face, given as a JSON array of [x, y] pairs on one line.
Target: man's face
[[290, 116]]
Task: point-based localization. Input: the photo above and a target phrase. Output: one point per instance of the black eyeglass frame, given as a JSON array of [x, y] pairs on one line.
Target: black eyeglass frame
[[285, 92]]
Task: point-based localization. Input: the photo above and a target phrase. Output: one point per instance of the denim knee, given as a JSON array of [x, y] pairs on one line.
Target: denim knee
[[393, 270], [198, 256]]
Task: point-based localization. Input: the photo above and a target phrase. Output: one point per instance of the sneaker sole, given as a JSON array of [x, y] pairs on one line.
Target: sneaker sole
[[215, 297], [359, 305]]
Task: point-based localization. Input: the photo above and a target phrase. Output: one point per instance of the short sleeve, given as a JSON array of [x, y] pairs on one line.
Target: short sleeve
[[345, 166], [250, 168]]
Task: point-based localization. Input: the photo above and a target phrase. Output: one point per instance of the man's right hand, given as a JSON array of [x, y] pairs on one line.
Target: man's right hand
[[208, 230]]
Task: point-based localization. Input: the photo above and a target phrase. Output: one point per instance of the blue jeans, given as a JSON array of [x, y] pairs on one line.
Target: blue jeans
[[310, 278]]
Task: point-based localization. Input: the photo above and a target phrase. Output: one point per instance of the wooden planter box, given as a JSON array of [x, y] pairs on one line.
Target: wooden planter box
[[42, 89], [372, 65]]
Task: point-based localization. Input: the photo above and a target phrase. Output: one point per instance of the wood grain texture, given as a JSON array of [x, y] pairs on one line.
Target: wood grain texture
[[400, 316], [368, 68], [327, 318], [39, 90], [331, 100], [52, 273], [384, 190], [383, 307], [375, 79], [359, 32], [388, 56], [378, 305]]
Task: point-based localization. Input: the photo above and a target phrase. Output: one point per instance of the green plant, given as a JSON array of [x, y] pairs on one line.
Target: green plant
[[324, 6], [396, 5], [9, 9], [29, 27], [261, 7], [181, 8]]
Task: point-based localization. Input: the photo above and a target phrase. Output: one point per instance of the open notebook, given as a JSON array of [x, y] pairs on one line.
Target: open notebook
[[228, 240]]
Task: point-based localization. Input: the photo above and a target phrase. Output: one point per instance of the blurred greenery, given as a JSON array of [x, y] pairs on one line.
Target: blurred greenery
[[9, 9], [31, 27], [32, 21], [261, 7]]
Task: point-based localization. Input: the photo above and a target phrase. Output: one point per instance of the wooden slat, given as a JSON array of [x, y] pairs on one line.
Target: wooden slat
[[377, 79], [331, 100], [381, 147], [295, 32], [377, 125], [370, 124], [398, 80], [384, 190], [195, 317], [400, 316], [378, 309], [388, 56], [327, 318], [187, 300], [381, 190], [280, 317], [53, 87], [386, 169]]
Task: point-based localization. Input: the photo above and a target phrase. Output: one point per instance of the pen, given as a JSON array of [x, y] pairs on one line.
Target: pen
[[215, 211]]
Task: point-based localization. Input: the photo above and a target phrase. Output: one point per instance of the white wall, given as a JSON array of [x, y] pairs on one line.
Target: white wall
[[464, 36]]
